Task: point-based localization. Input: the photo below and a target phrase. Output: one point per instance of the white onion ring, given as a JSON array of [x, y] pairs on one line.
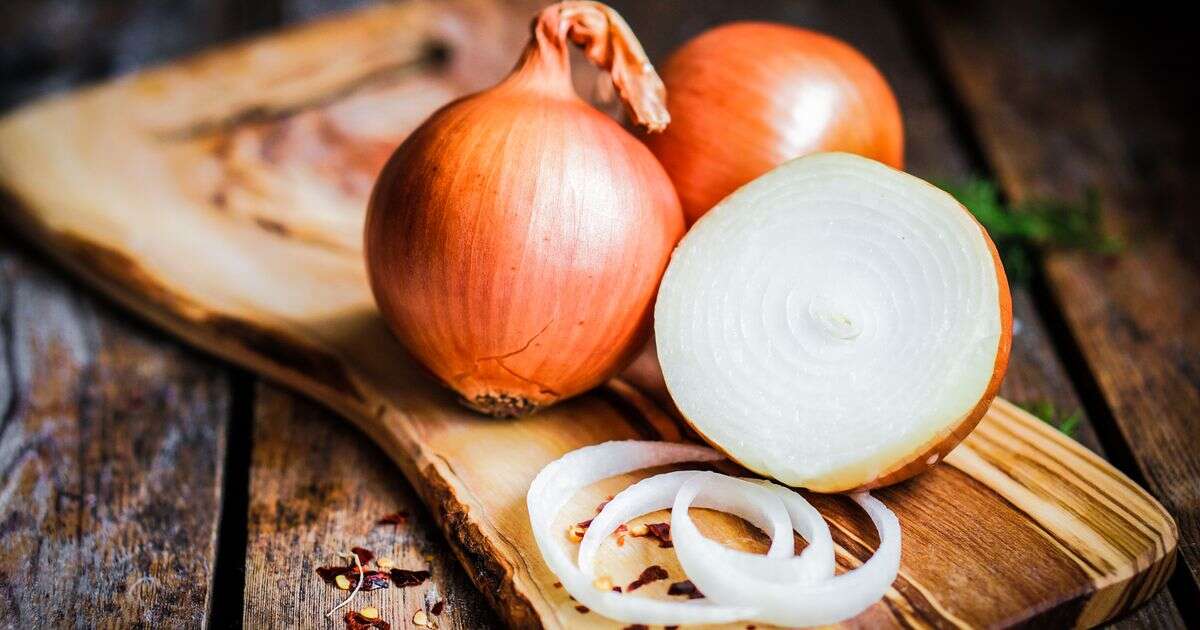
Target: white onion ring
[[720, 492], [786, 603], [562, 478], [774, 588], [760, 506]]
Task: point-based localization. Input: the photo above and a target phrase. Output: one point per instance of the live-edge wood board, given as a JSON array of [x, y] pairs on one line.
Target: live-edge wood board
[[221, 197]]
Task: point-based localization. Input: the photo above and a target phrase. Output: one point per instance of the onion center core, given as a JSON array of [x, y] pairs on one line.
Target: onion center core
[[839, 320]]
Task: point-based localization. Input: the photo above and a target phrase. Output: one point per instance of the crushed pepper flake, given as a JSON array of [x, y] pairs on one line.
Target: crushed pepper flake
[[437, 607], [652, 573], [660, 532], [365, 556], [394, 519], [404, 577], [582, 609], [374, 580], [357, 621], [344, 577], [685, 587]]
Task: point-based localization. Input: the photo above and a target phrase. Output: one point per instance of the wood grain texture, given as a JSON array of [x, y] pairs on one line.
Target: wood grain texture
[[113, 441], [1061, 104], [316, 488], [111, 449], [278, 285]]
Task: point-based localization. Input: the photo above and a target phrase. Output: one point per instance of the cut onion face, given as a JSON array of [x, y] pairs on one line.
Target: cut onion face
[[834, 324]]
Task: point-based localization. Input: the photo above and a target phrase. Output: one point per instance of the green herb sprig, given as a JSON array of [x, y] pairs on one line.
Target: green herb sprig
[[1021, 228], [1045, 410]]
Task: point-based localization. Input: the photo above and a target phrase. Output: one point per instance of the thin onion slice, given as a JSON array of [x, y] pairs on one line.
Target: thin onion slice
[[809, 523], [776, 588], [761, 503], [562, 478], [761, 507], [789, 603]]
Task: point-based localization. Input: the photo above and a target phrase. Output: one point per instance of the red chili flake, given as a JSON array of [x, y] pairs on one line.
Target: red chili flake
[[660, 532], [637, 626], [329, 574], [670, 627], [652, 573], [585, 524], [558, 585], [620, 541], [395, 518], [582, 609], [616, 589], [356, 621], [602, 504], [685, 588], [437, 607], [372, 580], [404, 577], [364, 555]]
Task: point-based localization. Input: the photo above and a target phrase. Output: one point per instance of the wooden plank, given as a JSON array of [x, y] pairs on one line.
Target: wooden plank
[[113, 438], [1061, 103], [111, 446], [316, 488], [293, 305]]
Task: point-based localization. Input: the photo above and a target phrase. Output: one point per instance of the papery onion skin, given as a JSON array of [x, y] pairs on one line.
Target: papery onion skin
[[748, 96], [515, 240]]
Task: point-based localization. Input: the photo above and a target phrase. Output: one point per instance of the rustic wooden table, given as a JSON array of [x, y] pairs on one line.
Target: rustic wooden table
[[146, 484]]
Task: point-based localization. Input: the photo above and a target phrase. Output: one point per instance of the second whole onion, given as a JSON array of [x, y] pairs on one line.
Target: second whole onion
[[516, 239], [749, 96]]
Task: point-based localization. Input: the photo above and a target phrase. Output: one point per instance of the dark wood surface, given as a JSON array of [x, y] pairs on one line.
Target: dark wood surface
[[162, 488]]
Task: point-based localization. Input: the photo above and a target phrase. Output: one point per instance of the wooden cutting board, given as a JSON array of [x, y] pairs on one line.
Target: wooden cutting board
[[221, 198]]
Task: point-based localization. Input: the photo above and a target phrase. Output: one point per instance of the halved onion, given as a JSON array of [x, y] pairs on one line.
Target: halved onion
[[803, 600], [834, 324]]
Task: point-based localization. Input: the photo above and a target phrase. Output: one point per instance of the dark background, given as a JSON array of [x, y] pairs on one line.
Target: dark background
[[1044, 98]]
